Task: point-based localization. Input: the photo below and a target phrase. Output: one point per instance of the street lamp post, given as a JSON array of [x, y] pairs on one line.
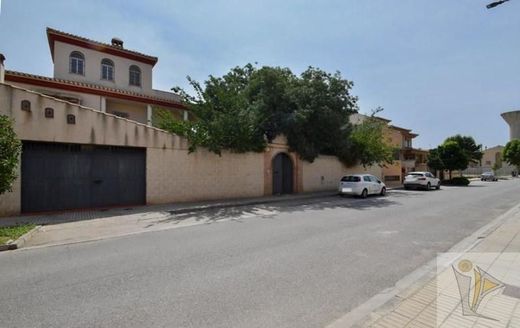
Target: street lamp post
[[496, 3]]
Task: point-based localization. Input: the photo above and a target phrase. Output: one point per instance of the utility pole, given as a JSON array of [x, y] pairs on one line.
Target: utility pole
[[496, 3]]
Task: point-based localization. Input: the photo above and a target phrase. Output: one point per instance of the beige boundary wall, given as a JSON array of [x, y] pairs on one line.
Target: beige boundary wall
[[172, 174]]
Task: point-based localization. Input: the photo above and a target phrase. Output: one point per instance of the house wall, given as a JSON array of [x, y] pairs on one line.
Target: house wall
[[135, 111], [87, 100], [93, 59], [326, 171], [172, 174]]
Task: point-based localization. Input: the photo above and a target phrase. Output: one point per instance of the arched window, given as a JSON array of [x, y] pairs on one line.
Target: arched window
[[107, 70], [135, 76], [77, 63]]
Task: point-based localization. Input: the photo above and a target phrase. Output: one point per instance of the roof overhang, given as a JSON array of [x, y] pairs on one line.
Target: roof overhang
[[55, 35], [73, 86]]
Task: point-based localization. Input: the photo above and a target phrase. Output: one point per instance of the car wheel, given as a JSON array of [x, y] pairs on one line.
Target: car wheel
[[383, 191], [364, 193], [407, 187], [428, 186]]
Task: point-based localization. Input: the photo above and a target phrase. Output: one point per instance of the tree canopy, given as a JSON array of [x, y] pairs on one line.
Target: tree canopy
[[455, 153], [511, 152], [10, 148], [470, 148], [248, 107]]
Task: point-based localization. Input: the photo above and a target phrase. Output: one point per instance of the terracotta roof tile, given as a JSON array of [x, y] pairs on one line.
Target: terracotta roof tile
[[99, 44], [91, 86]]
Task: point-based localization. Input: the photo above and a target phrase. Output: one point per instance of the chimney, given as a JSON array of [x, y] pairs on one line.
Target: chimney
[[2, 68], [116, 42]]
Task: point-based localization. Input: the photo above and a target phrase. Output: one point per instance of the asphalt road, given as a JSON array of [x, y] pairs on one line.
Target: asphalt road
[[296, 264]]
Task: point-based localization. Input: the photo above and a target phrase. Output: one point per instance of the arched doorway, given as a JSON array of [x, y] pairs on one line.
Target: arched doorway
[[282, 174]]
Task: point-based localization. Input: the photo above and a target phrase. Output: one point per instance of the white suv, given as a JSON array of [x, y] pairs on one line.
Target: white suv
[[421, 180]]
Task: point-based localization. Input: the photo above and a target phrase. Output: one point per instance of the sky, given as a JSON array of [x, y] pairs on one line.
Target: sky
[[440, 67]]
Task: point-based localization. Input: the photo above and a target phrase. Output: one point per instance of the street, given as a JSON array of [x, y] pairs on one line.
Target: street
[[294, 264]]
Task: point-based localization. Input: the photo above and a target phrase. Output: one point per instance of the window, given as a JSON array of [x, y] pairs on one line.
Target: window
[[351, 178], [107, 70], [135, 76], [366, 178], [77, 63]]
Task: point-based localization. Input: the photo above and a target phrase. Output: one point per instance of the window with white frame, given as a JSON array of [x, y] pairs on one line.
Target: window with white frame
[[135, 76], [107, 70], [77, 63]]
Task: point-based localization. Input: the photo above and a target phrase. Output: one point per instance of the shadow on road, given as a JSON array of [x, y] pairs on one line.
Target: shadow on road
[[268, 210]]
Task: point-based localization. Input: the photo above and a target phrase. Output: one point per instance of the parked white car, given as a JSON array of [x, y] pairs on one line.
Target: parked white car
[[361, 185], [424, 180]]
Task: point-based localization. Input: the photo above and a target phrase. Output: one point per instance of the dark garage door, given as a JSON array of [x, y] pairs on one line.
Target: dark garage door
[[59, 176]]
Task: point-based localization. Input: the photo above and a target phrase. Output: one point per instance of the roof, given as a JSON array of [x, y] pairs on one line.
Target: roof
[[407, 131], [55, 35], [88, 88]]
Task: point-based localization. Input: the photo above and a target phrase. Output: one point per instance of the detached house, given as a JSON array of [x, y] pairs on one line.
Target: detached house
[[106, 77]]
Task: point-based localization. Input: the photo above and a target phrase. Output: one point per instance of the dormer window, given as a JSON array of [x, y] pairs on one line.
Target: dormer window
[[107, 70], [135, 76], [77, 63]]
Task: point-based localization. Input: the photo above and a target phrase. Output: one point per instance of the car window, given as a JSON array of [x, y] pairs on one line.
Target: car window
[[429, 175], [374, 179], [351, 178], [416, 174], [366, 178]]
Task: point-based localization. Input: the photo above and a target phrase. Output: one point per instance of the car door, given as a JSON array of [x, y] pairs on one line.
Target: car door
[[376, 185], [432, 179], [367, 183]]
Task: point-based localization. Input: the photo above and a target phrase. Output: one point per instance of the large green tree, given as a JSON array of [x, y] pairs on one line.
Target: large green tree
[[452, 156], [10, 148], [511, 152], [246, 108], [471, 149]]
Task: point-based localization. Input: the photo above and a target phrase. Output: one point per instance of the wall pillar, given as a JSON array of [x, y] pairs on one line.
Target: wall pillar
[[149, 112], [103, 105], [2, 69]]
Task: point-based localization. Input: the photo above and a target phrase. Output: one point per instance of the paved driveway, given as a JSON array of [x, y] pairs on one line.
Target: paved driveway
[[297, 264]]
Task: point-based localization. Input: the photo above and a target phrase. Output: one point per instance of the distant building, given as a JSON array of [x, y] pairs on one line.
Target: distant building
[[406, 158], [513, 119]]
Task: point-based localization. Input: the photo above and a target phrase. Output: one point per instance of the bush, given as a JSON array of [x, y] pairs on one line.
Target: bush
[[457, 181], [10, 148]]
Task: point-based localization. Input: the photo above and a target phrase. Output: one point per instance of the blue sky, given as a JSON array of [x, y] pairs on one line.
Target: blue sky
[[440, 67]]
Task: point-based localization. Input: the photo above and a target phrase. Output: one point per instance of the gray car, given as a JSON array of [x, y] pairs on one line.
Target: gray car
[[488, 176]]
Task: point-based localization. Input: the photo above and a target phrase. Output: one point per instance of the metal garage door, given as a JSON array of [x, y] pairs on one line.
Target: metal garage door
[[59, 176]]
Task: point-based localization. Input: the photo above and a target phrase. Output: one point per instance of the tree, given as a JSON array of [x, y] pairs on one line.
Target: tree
[[469, 146], [369, 144], [319, 123], [511, 152], [10, 148], [248, 107], [452, 156], [435, 162]]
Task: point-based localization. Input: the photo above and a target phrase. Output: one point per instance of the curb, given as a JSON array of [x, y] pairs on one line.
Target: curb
[[20, 242]]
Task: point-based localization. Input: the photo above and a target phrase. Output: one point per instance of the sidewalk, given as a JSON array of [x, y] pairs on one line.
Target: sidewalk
[[81, 226], [479, 287]]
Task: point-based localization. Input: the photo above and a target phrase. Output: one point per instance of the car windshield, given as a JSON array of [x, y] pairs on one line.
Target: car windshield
[[351, 178], [415, 174]]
